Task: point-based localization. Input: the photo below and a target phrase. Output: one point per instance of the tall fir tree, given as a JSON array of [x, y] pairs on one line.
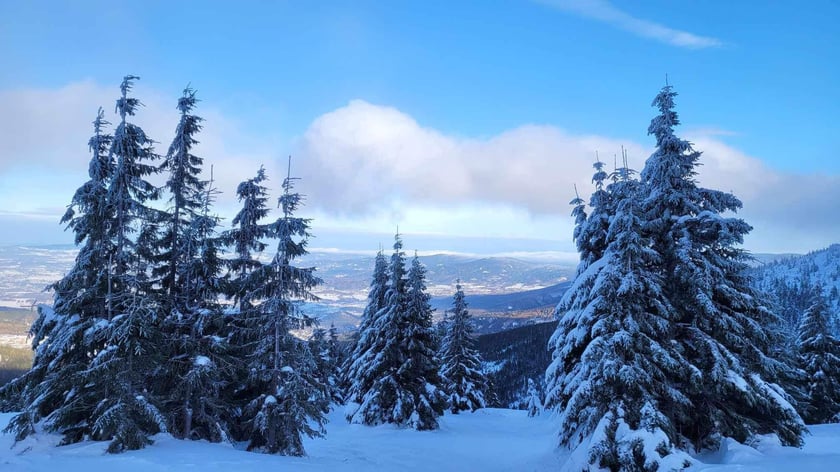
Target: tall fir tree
[[62, 349], [466, 384], [662, 344], [118, 374], [286, 397], [186, 190], [106, 328], [420, 372], [819, 356], [189, 272], [720, 325]]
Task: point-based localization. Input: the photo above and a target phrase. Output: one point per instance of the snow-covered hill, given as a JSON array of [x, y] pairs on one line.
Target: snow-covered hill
[[817, 267], [487, 440], [792, 281]]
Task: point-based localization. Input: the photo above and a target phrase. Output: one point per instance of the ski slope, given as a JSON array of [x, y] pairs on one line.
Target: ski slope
[[487, 440]]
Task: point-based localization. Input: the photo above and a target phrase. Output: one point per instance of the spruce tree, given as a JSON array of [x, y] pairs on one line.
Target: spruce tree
[[97, 347], [534, 406], [245, 236], [662, 343], [189, 273], [118, 374], [819, 354], [357, 375], [186, 190], [420, 373], [466, 384], [62, 349], [324, 349], [720, 325], [400, 382], [612, 359], [287, 398]]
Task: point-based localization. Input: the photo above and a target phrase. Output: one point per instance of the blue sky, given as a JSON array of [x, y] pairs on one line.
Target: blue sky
[[459, 118]]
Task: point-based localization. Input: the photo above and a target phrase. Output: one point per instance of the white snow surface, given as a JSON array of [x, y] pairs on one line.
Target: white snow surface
[[486, 440]]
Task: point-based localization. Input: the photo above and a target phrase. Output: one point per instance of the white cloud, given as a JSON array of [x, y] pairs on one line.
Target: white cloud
[[377, 165], [604, 11], [366, 157], [366, 167]]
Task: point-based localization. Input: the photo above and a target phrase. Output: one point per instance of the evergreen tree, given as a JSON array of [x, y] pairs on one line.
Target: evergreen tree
[[819, 354], [324, 349], [200, 359], [246, 237], [99, 341], [358, 378], [461, 370], [194, 327], [534, 406], [719, 324], [661, 341], [117, 374], [287, 399], [612, 358], [186, 190], [420, 372], [62, 349], [400, 382]]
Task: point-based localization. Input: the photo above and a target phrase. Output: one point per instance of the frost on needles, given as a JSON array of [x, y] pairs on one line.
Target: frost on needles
[[663, 348], [137, 341]]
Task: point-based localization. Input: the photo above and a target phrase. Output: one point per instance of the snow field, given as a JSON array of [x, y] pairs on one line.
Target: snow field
[[487, 440]]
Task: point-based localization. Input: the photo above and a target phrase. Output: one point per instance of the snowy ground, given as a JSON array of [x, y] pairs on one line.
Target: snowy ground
[[488, 440]]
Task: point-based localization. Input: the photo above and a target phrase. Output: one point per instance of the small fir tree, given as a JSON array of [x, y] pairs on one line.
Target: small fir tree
[[466, 384], [358, 377], [535, 405]]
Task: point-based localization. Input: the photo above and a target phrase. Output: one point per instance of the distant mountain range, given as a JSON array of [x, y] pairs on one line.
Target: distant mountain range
[[510, 286]]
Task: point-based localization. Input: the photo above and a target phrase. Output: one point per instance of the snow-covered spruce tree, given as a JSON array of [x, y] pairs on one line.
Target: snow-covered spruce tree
[[287, 399], [572, 335], [535, 405], [198, 357], [399, 381], [324, 349], [420, 374], [186, 190], [110, 330], [118, 375], [612, 375], [62, 350], [358, 378], [819, 354], [466, 384], [719, 324], [245, 236]]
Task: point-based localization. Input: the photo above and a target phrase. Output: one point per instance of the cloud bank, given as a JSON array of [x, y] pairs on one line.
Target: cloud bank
[[366, 167], [364, 158]]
